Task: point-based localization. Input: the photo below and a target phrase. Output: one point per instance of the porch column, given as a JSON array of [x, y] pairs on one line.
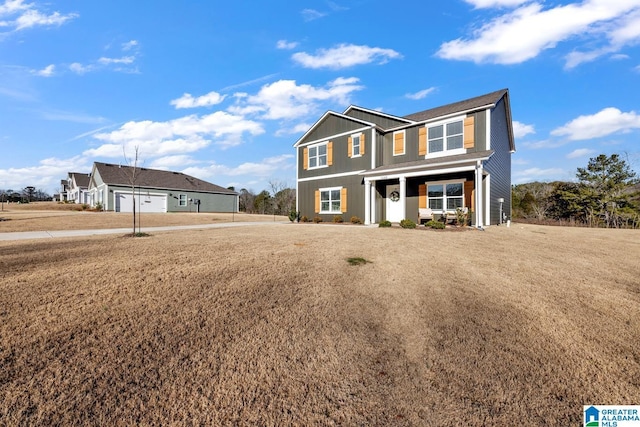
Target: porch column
[[372, 195], [479, 198], [367, 202], [403, 197]]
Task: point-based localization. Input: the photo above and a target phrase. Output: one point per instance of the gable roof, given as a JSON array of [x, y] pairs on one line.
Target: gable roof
[[155, 178], [324, 117], [377, 113], [457, 107], [81, 178]]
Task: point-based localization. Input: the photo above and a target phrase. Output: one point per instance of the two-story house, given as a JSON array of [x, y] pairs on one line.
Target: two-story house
[[77, 187], [377, 166]]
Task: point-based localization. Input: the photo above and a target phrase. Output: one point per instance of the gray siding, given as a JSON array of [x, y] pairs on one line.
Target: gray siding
[[341, 160], [499, 165], [410, 147], [382, 121], [355, 196], [332, 125], [480, 131]]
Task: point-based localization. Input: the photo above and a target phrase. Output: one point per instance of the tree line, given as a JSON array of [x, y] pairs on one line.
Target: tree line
[[26, 195], [606, 193], [279, 199]]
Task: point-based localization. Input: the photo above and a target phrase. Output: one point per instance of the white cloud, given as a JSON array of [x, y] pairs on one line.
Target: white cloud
[[421, 94], [482, 4], [129, 45], [188, 101], [619, 56], [124, 60], [287, 100], [183, 135], [516, 36], [78, 68], [283, 44], [605, 122], [580, 152], [345, 55], [46, 71], [12, 6], [173, 162], [312, 14], [265, 168], [520, 129], [46, 175], [297, 129], [33, 18], [537, 174]]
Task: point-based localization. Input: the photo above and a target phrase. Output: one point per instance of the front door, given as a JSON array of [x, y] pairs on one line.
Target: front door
[[394, 209]]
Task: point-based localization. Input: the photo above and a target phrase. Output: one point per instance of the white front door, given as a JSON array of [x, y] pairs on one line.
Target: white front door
[[394, 207]]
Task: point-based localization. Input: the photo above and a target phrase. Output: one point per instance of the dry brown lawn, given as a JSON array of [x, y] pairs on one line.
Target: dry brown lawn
[[269, 325]]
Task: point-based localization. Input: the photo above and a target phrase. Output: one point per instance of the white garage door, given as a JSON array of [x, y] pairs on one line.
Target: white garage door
[[144, 202]]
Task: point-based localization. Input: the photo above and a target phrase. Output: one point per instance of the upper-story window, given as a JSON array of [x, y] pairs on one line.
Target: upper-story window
[[446, 137], [356, 145], [318, 156]]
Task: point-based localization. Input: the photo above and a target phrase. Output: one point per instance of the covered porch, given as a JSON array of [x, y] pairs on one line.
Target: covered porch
[[430, 187]]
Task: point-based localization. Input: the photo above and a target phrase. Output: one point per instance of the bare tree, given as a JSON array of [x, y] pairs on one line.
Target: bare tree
[[132, 174], [284, 198]]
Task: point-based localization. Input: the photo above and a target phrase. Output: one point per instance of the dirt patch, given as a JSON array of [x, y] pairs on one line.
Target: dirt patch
[[270, 325]]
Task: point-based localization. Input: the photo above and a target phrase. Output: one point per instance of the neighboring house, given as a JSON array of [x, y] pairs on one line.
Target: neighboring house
[[76, 187], [64, 188], [155, 191], [377, 166]]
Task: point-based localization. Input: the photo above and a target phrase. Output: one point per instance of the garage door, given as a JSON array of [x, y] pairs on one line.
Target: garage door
[[144, 202]]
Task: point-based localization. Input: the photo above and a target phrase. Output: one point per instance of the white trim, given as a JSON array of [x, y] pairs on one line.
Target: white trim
[[359, 136], [452, 162], [367, 202], [487, 206], [403, 196], [297, 189], [330, 189], [374, 140], [335, 175], [444, 193], [404, 143], [488, 129], [445, 151], [479, 198], [326, 154], [426, 173], [321, 119], [338, 135], [444, 117], [376, 113]]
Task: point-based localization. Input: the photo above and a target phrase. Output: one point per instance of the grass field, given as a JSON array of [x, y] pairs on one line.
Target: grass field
[[271, 325]]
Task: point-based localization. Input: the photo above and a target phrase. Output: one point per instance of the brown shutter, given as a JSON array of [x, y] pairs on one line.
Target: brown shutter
[[422, 196], [317, 205], [362, 144], [422, 141], [398, 143], [343, 200], [350, 147], [305, 158], [469, 132], [330, 153], [469, 193]]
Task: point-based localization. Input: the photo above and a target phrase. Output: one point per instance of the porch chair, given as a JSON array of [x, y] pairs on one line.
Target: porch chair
[[424, 213]]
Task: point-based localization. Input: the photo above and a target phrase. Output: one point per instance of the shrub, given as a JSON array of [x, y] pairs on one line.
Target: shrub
[[435, 224], [385, 224], [294, 215], [317, 219], [338, 219], [98, 207], [407, 223], [304, 218], [355, 220], [462, 217], [84, 206]]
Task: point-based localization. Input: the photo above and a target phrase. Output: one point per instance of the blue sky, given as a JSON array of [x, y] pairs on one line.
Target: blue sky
[[222, 90]]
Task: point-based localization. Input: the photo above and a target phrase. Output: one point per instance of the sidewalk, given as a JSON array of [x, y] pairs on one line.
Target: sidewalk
[[25, 235]]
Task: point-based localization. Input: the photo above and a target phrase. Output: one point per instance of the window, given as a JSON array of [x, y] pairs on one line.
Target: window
[[441, 197], [318, 156], [356, 145], [183, 200], [330, 199], [446, 137]]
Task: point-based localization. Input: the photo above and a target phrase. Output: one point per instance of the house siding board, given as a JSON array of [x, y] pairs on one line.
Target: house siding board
[[499, 165], [480, 130], [410, 148], [355, 197], [383, 122], [332, 125], [341, 161]]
